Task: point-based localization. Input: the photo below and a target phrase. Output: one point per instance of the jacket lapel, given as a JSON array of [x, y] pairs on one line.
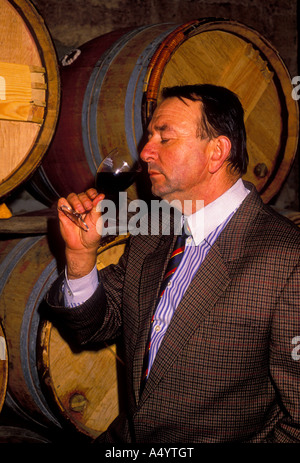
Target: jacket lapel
[[151, 277]]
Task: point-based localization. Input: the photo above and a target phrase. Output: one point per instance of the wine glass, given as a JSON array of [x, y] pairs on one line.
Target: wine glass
[[115, 174]]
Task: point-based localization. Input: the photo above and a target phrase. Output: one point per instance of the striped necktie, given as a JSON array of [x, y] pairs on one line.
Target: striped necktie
[[174, 260], [172, 266]]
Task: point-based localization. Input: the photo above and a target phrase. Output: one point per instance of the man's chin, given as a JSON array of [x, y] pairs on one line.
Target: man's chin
[[162, 194], [158, 192], [161, 190]]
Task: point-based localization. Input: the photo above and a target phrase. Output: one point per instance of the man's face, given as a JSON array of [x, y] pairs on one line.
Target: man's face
[[177, 158]]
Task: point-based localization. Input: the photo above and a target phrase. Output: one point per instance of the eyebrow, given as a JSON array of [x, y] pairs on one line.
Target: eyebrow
[[161, 128]]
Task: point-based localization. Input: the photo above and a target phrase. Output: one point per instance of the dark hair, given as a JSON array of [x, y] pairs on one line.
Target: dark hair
[[222, 114]]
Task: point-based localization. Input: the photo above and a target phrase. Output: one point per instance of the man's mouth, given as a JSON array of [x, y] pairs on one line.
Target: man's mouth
[[152, 173]]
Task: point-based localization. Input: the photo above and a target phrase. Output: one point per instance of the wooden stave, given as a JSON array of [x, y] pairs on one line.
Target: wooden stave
[[20, 318], [3, 366]]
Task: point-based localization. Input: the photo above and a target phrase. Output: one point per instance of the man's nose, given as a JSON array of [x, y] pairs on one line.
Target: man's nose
[[148, 153]]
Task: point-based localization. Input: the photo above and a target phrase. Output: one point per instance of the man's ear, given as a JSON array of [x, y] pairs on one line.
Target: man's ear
[[220, 150]]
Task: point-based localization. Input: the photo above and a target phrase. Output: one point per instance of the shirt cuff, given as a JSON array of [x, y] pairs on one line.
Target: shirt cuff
[[77, 291]]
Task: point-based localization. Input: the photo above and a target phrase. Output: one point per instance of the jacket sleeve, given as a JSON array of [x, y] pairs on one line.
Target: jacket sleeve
[[99, 318], [285, 361]]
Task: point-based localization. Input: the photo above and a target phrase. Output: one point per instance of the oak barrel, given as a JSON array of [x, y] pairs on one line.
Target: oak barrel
[[3, 366], [49, 383], [29, 92], [294, 216], [112, 88]]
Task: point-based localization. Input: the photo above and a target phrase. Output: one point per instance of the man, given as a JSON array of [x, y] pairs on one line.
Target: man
[[220, 367]]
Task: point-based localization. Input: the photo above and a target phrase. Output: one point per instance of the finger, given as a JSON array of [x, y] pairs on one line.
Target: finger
[[62, 202], [63, 207], [91, 193], [97, 199], [80, 202]]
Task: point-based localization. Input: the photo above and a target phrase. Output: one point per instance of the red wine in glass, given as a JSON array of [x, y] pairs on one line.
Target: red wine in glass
[[110, 183], [115, 174]]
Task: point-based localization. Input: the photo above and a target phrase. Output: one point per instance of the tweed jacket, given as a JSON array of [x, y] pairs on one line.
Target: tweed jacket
[[226, 369]]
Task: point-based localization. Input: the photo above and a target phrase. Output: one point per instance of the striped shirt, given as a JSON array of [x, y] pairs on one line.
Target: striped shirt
[[192, 259]]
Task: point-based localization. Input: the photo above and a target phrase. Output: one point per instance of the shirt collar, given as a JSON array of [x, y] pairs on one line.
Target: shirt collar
[[207, 219]]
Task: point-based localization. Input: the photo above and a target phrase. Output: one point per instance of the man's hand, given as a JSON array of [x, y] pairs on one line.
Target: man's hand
[[81, 245]]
